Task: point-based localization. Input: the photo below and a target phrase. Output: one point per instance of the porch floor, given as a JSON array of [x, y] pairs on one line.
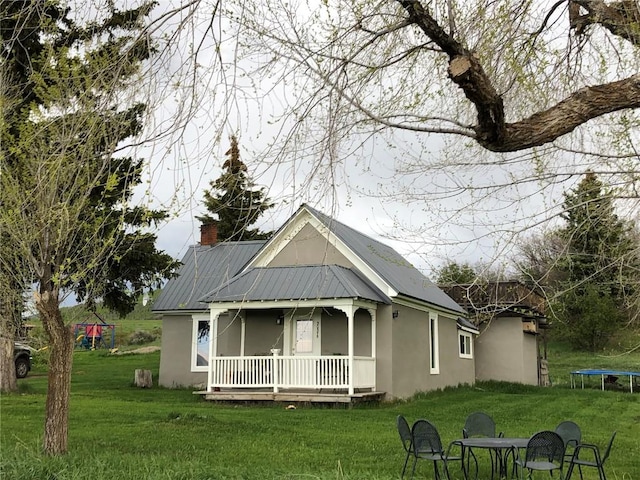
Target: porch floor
[[310, 396]]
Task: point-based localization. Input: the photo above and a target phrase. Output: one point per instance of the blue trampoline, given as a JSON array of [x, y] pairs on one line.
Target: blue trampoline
[[606, 376]]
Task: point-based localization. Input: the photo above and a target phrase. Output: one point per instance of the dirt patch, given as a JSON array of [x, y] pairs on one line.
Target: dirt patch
[[149, 349]]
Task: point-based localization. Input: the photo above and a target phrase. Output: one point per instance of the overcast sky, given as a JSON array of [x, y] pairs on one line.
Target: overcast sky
[[428, 217]]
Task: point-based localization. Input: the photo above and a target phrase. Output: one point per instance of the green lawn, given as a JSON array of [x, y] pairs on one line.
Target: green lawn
[[118, 431]]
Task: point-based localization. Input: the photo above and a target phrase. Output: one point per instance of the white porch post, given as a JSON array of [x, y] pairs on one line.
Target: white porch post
[[351, 348], [350, 310], [213, 342], [275, 352], [372, 313], [243, 330]]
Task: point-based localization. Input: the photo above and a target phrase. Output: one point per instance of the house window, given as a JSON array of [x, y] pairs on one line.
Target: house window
[[466, 344], [200, 357], [434, 348]]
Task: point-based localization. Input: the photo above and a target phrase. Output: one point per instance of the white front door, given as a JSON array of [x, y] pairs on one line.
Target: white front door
[[307, 335]]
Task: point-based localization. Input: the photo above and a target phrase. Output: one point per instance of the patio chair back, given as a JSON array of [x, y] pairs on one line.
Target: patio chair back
[[427, 445], [404, 431], [479, 424], [545, 451], [425, 438], [405, 437], [570, 433]]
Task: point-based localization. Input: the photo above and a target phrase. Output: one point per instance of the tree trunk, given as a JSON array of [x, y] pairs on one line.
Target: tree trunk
[[10, 317], [61, 345], [8, 382]]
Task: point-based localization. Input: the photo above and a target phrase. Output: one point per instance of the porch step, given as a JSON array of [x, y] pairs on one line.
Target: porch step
[[290, 396]]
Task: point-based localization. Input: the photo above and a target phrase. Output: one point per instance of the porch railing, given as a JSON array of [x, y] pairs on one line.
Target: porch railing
[[309, 372]]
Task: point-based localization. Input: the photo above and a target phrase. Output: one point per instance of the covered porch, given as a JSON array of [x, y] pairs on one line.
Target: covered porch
[[307, 350]]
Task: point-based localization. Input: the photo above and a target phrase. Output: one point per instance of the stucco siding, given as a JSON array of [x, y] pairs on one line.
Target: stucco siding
[[229, 332], [505, 353], [263, 332], [384, 351], [411, 354], [175, 361], [309, 247], [454, 370], [335, 335], [362, 333]]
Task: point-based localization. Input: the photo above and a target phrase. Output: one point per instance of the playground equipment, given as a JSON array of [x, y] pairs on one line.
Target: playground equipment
[[92, 335]]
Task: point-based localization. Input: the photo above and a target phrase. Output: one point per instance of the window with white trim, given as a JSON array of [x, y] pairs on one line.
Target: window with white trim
[[434, 345], [200, 346], [465, 342]]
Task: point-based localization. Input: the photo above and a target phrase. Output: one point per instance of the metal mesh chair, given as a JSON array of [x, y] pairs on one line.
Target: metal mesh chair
[[479, 424], [405, 438], [570, 433], [597, 462], [427, 445], [545, 452]]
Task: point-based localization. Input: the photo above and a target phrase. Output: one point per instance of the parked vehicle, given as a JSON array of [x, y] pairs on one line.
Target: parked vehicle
[[22, 355]]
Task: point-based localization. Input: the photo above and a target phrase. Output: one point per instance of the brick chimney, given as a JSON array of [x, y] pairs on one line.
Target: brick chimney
[[209, 233]]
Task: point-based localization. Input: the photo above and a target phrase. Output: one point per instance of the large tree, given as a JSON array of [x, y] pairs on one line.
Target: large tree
[[66, 195], [483, 104], [597, 268], [509, 75], [454, 273], [233, 202]]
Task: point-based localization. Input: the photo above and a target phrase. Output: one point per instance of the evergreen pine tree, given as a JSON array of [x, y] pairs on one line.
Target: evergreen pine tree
[[595, 267], [233, 203]]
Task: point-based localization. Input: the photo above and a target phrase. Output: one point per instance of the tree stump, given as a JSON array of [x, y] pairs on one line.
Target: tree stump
[[143, 378]]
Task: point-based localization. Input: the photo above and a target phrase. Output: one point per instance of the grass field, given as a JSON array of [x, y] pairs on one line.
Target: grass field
[[118, 431]]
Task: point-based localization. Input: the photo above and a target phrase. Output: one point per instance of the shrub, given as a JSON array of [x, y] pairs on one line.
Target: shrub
[[140, 337]]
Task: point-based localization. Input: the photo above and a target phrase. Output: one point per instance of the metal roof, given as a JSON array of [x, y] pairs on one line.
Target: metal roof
[[466, 325], [203, 269], [392, 267], [296, 283], [208, 272]]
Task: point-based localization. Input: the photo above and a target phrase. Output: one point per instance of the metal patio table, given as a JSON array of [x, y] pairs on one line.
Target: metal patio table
[[500, 445]]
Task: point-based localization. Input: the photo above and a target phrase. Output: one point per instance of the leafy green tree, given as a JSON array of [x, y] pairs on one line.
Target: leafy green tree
[[597, 266], [65, 195], [454, 273], [591, 316], [233, 203]]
